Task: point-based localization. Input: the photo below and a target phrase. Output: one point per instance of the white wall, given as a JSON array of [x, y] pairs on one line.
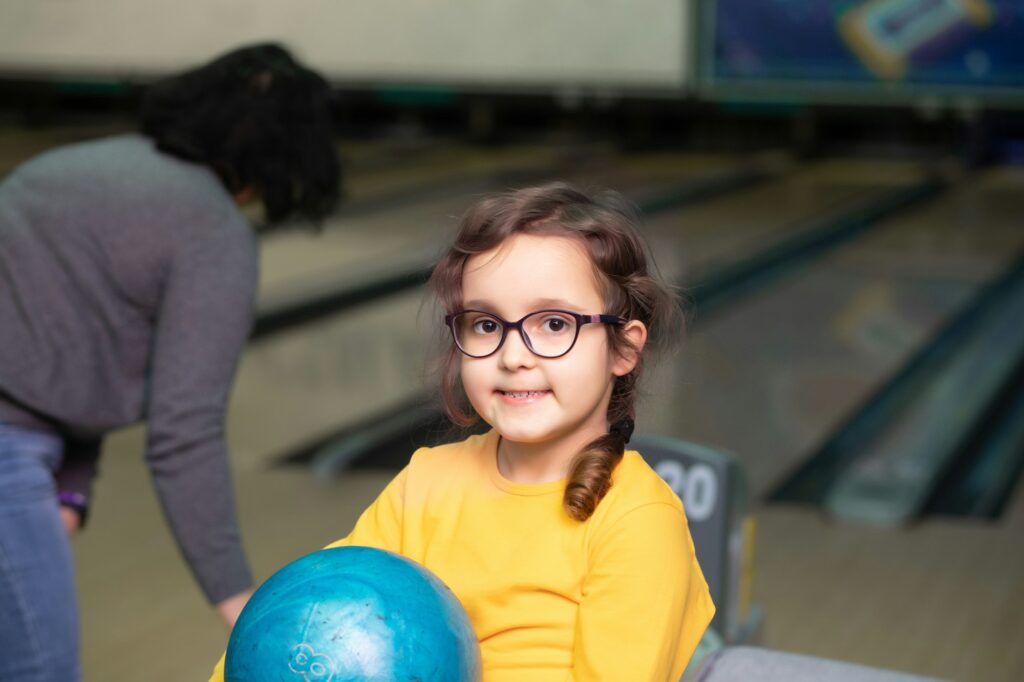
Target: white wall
[[474, 43]]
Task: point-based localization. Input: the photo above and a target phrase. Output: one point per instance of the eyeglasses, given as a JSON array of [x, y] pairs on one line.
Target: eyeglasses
[[547, 333]]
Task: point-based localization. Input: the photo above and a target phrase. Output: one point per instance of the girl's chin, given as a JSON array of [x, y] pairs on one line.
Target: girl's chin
[[528, 434]]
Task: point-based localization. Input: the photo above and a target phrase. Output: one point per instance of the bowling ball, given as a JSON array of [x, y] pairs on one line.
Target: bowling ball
[[353, 614]]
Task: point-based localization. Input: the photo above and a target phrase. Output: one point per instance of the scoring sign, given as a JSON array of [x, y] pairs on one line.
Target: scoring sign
[[697, 487]]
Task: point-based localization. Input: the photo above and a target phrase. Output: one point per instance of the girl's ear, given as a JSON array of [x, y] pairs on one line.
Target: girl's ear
[[625, 360]]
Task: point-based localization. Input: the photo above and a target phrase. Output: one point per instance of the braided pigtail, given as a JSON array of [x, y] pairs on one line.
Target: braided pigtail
[[590, 476]]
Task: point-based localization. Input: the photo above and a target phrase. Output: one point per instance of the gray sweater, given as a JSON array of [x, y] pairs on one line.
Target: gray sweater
[[127, 286]]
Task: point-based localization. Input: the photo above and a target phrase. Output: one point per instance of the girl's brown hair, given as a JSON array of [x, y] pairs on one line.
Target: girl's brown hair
[[607, 226]]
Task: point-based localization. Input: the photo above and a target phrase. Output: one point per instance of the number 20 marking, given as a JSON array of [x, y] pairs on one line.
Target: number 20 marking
[[698, 487]]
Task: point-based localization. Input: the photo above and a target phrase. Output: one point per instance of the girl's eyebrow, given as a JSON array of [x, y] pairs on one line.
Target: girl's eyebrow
[[554, 303], [536, 304]]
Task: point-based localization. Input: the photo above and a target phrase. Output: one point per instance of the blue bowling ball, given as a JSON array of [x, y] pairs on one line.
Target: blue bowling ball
[[353, 614]]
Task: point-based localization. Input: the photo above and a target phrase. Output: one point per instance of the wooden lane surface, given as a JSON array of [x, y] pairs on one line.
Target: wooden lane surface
[[394, 237], [302, 385], [771, 377], [699, 239]]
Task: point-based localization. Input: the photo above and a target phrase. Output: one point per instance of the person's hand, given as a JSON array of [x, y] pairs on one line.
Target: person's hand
[[231, 607], [72, 521]]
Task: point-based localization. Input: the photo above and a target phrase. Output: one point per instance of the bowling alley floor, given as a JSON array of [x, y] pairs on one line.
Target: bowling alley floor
[[943, 597]]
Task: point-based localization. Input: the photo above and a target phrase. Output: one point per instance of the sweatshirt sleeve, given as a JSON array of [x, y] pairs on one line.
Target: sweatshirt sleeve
[[203, 320], [645, 603]]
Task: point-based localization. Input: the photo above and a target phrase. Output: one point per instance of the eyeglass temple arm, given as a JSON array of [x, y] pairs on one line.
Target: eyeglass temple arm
[[604, 319]]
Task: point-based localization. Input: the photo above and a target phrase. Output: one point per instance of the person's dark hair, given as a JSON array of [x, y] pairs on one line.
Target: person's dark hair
[[607, 227], [257, 118]]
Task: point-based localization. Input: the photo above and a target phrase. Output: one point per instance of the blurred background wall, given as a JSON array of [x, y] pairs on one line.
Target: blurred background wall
[[482, 45]]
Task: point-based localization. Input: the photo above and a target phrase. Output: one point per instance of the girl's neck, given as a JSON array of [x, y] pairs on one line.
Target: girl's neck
[[539, 462]]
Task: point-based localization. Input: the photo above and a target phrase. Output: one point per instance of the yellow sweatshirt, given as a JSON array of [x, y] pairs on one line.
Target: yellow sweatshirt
[[619, 597]]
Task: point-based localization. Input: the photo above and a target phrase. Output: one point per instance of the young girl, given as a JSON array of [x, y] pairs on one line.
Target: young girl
[[572, 557]]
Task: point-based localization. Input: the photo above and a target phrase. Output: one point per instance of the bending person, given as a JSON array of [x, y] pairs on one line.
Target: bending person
[[127, 285]]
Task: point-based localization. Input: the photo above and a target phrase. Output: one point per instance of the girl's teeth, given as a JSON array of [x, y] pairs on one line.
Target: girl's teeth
[[522, 394]]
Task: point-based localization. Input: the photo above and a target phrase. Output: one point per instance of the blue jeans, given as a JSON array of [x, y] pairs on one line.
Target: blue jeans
[[38, 606]]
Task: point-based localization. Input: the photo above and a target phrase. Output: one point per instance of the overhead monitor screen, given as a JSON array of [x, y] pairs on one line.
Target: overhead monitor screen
[[887, 49]]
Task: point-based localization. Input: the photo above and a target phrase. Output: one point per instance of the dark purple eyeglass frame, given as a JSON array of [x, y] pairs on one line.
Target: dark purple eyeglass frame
[[581, 320]]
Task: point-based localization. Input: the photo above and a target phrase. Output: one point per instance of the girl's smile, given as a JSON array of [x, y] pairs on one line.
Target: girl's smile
[[523, 397]]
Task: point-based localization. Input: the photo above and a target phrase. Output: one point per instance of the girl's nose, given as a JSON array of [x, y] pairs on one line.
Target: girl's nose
[[514, 353]]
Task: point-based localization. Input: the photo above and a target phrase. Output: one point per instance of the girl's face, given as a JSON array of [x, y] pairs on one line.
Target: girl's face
[[526, 398]]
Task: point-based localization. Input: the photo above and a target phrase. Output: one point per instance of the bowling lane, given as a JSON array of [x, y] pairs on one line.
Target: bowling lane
[[703, 238], [298, 386], [302, 385], [772, 376], [382, 170], [352, 246], [409, 234]]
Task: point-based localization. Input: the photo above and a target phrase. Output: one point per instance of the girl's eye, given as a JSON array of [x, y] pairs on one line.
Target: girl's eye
[[485, 326], [555, 324]]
